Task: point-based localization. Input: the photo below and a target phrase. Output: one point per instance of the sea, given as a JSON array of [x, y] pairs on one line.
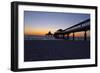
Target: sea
[[51, 38]]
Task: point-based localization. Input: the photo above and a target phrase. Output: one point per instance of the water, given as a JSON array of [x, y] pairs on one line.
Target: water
[[50, 38], [39, 38]]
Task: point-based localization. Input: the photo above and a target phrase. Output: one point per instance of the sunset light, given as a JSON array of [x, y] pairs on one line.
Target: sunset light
[[40, 23]]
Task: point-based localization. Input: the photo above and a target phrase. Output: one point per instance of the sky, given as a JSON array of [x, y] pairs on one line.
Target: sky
[[40, 23]]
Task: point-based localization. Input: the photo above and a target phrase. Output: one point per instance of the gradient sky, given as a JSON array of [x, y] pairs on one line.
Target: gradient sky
[[39, 23]]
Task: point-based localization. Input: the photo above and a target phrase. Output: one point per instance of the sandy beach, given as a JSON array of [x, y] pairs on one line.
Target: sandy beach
[[43, 50]]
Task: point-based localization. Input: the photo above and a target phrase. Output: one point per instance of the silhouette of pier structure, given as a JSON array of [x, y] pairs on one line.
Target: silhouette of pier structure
[[81, 26], [49, 34]]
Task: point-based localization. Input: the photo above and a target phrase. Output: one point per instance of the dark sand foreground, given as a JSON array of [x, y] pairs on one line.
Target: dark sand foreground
[[43, 50]]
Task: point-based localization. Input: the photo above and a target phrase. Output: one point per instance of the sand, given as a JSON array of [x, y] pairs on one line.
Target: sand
[[43, 50]]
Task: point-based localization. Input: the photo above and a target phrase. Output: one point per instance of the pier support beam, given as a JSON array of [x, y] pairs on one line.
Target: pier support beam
[[85, 35], [73, 35], [68, 36]]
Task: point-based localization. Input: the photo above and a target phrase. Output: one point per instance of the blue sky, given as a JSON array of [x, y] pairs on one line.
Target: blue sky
[[51, 21]]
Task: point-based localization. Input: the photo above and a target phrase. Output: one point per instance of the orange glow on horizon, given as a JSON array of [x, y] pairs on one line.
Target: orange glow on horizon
[[41, 32], [35, 31], [79, 34]]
